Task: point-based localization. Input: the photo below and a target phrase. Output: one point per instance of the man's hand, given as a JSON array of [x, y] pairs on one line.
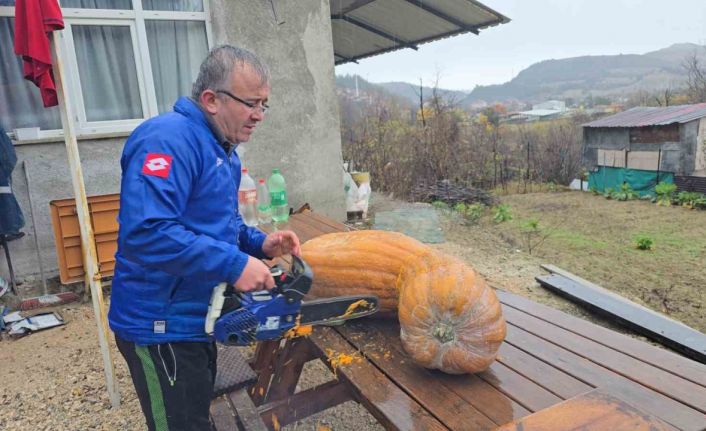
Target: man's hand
[[280, 243], [255, 276]]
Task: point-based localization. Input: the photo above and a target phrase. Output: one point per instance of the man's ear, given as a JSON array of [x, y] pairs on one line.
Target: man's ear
[[209, 101]]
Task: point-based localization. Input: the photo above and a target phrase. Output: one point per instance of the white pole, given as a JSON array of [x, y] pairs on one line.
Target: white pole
[[88, 246]]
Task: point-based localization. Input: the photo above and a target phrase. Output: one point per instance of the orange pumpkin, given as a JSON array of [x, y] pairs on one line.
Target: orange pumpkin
[[449, 319]]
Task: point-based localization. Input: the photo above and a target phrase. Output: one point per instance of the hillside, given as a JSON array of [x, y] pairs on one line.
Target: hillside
[[605, 75], [570, 78]]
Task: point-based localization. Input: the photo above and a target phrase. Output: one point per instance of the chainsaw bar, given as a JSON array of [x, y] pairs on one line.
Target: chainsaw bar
[[333, 310]]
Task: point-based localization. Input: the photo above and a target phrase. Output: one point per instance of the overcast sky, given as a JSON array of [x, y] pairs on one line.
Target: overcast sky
[[541, 30]]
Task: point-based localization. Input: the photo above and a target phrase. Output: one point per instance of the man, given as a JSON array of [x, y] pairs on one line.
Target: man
[[181, 234]]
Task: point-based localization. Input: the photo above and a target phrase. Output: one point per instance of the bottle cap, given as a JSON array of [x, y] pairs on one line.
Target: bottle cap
[[275, 171], [244, 170], [261, 181]]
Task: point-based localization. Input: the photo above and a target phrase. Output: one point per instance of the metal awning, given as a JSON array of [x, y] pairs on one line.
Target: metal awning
[[643, 116], [363, 28]]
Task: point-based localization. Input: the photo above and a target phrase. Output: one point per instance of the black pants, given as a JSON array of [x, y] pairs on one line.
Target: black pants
[[174, 383]]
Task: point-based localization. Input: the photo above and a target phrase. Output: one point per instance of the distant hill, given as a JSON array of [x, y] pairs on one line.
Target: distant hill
[[570, 78], [411, 92], [404, 92], [605, 75]]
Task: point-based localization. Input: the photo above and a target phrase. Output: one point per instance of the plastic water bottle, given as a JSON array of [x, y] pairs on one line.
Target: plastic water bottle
[[278, 196], [264, 210], [247, 199]]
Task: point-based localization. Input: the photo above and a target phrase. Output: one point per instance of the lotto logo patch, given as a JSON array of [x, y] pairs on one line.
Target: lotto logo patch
[[157, 165]]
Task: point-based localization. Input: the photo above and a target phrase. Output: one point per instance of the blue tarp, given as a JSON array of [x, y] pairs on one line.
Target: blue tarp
[[643, 182]]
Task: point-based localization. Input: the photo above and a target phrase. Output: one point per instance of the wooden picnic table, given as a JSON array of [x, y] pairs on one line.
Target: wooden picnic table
[[553, 372]]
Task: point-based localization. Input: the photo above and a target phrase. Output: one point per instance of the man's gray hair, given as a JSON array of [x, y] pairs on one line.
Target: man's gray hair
[[221, 62]]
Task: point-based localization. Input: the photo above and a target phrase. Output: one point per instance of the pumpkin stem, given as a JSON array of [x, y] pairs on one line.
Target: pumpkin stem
[[443, 332]]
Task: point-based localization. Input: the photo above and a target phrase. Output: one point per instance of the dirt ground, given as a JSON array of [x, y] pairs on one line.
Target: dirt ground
[[53, 380]]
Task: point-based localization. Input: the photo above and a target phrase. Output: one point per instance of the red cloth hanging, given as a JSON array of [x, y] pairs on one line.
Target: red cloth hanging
[[34, 20]]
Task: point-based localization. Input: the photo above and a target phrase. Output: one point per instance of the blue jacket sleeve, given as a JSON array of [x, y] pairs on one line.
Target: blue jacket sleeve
[[151, 233]]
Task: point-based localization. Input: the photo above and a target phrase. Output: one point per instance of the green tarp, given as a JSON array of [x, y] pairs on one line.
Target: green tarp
[[643, 182]]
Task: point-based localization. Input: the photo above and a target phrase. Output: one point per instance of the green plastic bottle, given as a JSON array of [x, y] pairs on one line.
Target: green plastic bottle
[[278, 196]]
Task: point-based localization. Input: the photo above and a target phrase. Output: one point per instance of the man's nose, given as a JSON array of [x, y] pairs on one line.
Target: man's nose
[[257, 115]]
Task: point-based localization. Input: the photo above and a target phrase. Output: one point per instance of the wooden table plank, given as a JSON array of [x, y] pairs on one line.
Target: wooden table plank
[[486, 398], [550, 378], [387, 354], [222, 415], [383, 399], [667, 409], [248, 416], [649, 323], [656, 379], [593, 411], [660, 358], [519, 388], [310, 219], [329, 221]]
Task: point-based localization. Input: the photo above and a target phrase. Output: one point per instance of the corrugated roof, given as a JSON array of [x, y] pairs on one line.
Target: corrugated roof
[[363, 28], [644, 116]]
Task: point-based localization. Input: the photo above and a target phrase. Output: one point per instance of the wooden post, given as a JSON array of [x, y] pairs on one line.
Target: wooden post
[[88, 246]]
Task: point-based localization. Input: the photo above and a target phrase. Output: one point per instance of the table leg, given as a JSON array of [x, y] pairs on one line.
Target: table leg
[[263, 365], [290, 362]]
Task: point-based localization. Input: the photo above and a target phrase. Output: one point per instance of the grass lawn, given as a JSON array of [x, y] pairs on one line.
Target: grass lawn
[[595, 238]]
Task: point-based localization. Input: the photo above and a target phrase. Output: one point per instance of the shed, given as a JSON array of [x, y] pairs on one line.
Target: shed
[[646, 145]]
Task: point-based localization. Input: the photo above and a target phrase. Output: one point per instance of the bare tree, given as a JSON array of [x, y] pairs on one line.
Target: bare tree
[[695, 78]]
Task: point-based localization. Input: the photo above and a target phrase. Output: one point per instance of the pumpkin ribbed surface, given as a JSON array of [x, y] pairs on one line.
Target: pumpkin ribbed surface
[[449, 318]]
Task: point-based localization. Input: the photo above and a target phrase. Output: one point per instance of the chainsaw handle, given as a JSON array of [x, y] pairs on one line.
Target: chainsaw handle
[[296, 282]]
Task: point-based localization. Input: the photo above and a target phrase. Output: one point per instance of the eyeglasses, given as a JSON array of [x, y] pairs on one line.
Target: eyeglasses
[[262, 106]]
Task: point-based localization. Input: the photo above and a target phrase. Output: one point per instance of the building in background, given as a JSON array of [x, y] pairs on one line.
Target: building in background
[[643, 146]]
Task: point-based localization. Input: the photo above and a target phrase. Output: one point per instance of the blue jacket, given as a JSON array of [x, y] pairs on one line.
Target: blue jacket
[[180, 230]]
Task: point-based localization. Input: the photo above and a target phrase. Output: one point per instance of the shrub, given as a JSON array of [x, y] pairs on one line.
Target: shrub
[[471, 213], [665, 193], [608, 193], [626, 193], [644, 242], [441, 205], [689, 199], [700, 203], [501, 213]]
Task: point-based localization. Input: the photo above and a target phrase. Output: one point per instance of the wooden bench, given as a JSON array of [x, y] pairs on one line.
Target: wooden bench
[[549, 364]]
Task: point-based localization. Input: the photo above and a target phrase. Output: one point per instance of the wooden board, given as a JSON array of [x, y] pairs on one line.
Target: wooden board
[[660, 358], [645, 321], [394, 408], [379, 341], [586, 370], [593, 411]]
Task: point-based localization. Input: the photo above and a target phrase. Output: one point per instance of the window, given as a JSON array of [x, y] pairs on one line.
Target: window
[[124, 61]]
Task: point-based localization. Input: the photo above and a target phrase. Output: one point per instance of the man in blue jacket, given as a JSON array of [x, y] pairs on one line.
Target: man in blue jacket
[[181, 234]]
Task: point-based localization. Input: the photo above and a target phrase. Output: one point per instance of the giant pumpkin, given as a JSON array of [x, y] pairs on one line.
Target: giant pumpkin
[[449, 319]]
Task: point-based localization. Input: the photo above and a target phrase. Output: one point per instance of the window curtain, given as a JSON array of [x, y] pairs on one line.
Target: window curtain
[[107, 71], [173, 5], [20, 102], [97, 4], [177, 49]]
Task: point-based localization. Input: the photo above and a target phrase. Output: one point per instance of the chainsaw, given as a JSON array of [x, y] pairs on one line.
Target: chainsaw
[[239, 319]]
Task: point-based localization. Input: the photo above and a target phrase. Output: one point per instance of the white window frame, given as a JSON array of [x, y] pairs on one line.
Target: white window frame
[[135, 19]]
